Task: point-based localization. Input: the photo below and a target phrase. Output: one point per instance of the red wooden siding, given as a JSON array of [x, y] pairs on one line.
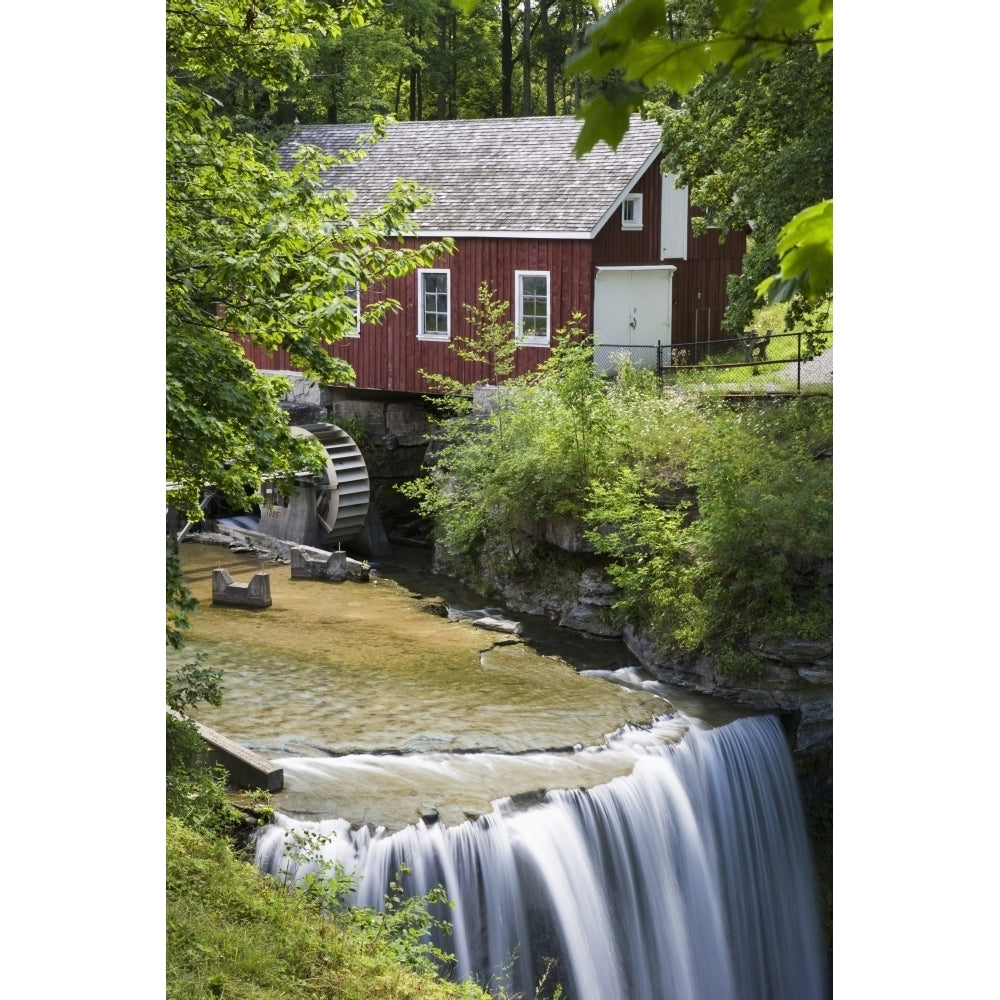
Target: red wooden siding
[[616, 246], [699, 283], [389, 355], [700, 286]]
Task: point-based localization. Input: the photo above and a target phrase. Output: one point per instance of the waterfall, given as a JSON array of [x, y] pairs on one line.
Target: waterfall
[[688, 879]]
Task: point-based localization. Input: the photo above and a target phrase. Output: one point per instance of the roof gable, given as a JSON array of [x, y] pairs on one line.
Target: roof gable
[[496, 176]]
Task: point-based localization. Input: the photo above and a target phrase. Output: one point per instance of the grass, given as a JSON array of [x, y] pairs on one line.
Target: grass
[[783, 347], [234, 934]]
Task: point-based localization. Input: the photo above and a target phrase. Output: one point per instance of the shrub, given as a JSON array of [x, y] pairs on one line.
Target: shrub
[[716, 520]]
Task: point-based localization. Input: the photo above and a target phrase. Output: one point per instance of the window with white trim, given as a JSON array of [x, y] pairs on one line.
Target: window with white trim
[[632, 212], [355, 299], [434, 318], [531, 310]]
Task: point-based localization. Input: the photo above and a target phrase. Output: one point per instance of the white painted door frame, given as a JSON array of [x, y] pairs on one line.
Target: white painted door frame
[[633, 307]]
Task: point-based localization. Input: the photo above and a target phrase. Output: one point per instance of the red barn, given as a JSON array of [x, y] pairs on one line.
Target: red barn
[[607, 236]]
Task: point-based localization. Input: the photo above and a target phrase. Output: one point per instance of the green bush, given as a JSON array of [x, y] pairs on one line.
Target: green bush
[[743, 559], [195, 791], [715, 519], [495, 472], [233, 933]]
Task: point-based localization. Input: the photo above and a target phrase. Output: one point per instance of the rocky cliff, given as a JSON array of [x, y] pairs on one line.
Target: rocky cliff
[[797, 679]]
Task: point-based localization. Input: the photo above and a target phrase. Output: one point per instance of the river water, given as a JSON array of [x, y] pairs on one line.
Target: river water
[[377, 708], [584, 820]]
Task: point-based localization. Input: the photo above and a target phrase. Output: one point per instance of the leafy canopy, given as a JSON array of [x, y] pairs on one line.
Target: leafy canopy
[[715, 521], [758, 146], [631, 40], [635, 50], [255, 251]]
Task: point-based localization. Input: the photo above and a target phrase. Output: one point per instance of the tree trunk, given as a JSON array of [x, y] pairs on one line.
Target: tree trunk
[[526, 61], [506, 61], [577, 42], [452, 66], [399, 91], [553, 58]]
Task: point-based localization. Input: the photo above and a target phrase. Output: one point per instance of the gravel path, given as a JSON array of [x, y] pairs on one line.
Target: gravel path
[[817, 371]]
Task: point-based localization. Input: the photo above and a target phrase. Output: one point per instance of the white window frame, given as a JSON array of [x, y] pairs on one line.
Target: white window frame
[[422, 332], [533, 339], [632, 211], [356, 332]]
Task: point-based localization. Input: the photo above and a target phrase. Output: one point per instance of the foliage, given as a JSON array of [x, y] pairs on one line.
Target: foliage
[[524, 456], [195, 791], [192, 684], [401, 929], [231, 932], [255, 252], [634, 39], [414, 59], [744, 561], [306, 870], [755, 147], [410, 59], [805, 249], [180, 601], [747, 123], [650, 561], [715, 520]]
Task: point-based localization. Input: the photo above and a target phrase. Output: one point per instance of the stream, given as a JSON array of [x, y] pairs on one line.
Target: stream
[[648, 842]]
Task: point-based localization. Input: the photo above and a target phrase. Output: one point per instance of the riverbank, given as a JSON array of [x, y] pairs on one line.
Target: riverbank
[[231, 932], [349, 677]]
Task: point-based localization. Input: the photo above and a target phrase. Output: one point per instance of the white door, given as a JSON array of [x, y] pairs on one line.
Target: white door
[[632, 313]]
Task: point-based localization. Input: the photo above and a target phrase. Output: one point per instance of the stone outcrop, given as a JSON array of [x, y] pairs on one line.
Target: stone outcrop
[[797, 677], [589, 613], [792, 685]]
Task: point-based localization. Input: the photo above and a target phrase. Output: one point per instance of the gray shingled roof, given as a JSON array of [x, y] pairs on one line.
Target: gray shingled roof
[[507, 176]]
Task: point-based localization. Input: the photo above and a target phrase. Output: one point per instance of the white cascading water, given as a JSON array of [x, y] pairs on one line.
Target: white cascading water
[[688, 879]]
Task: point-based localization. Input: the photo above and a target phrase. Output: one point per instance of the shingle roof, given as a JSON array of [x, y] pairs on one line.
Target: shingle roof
[[506, 176]]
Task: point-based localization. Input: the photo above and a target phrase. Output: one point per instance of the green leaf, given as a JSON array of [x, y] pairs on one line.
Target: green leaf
[[606, 117], [805, 248], [680, 66]]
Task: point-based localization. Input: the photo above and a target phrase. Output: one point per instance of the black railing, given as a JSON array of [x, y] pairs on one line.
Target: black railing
[[775, 362]]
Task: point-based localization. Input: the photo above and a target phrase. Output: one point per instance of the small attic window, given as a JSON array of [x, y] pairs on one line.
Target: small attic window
[[632, 212]]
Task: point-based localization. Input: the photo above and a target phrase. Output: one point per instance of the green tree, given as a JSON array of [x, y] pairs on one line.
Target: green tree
[[712, 53], [490, 346], [755, 146], [417, 59], [255, 251]]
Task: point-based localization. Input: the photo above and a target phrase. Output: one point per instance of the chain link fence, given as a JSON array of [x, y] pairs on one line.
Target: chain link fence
[[772, 363]]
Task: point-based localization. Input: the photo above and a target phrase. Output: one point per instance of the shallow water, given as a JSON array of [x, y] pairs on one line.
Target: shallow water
[[377, 709]]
